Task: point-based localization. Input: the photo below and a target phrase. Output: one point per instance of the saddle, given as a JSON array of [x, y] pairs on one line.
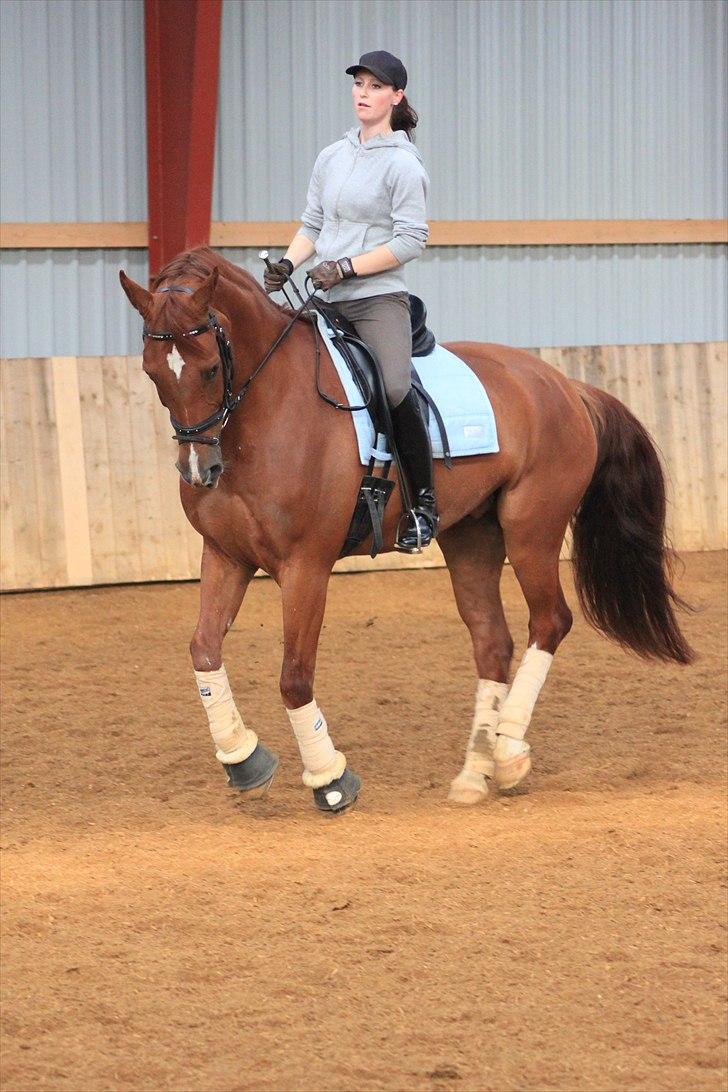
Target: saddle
[[423, 339], [375, 490]]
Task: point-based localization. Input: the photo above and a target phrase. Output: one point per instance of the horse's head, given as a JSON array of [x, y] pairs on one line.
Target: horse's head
[[187, 355]]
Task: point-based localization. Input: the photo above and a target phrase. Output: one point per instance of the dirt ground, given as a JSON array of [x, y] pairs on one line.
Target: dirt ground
[[162, 933]]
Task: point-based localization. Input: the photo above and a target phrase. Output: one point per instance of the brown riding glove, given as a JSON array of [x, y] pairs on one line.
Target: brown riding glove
[[276, 276], [326, 274]]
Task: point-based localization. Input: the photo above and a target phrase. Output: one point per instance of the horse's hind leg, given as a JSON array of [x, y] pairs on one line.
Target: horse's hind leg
[[248, 764], [475, 551], [534, 523]]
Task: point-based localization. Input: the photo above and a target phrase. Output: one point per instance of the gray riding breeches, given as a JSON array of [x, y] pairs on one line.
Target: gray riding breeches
[[384, 323]]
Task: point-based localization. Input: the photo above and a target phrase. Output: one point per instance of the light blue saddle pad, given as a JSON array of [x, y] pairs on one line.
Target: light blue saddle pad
[[458, 393]]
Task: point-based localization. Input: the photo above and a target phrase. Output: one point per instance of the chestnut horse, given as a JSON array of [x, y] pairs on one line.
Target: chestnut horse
[[270, 482]]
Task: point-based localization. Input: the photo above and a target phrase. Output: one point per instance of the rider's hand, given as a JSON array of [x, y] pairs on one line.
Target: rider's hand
[[276, 276], [325, 275]]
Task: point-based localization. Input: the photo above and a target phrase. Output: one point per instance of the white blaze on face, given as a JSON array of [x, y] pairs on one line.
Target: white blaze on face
[[175, 362], [195, 478]]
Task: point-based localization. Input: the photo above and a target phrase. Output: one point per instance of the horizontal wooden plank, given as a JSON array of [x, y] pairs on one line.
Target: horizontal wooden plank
[[575, 232], [76, 236], [253, 233]]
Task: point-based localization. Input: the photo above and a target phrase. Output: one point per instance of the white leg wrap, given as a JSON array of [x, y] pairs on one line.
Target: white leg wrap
[[517, 710], [511, 752], [470, 786], [322, 764], [489, 698], [233, 741]]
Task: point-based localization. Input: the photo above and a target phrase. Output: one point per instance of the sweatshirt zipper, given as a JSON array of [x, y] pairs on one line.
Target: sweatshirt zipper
[[341, 190]]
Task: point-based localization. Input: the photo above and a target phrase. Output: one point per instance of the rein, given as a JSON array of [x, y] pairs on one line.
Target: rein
[[186, 434]]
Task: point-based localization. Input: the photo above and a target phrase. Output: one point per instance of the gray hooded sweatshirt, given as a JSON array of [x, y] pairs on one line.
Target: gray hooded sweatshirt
[[362, 196]]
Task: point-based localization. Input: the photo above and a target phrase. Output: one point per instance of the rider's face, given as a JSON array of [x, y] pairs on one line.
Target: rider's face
[[373, 100]]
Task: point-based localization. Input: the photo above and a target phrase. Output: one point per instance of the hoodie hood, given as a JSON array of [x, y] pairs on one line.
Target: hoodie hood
[[397, 139]]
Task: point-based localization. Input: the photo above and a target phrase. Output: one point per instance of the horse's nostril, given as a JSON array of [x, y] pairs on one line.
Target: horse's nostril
[[213, 474]]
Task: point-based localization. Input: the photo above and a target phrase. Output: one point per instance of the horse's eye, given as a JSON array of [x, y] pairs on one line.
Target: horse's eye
[[212, 372]]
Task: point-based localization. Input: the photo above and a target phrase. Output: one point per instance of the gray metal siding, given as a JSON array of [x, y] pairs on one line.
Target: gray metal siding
[[514, 295], [538, 109], [567, 295], [546, 109], [69, 303], [72, 118]]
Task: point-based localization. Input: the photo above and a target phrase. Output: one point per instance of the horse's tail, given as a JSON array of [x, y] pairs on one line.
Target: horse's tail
[[622, 559]]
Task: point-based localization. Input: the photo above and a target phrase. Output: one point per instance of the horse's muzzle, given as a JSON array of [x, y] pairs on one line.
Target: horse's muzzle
[[200, 477]]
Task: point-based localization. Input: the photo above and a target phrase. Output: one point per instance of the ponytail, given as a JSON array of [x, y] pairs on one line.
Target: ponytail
[[404, 117]]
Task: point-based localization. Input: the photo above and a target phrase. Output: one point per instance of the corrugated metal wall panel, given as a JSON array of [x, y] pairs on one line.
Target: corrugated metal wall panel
[[72, 118], [513, 295], [567, 295], [542, 108], [54, 301]]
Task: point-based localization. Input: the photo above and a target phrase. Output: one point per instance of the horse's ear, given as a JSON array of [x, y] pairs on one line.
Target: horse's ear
[[201, 298], [138, 296]]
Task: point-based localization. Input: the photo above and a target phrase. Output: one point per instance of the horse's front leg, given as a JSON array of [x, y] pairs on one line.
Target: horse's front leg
[[248, 764], [303, 588]]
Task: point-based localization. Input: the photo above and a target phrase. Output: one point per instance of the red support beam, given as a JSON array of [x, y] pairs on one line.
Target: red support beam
[[182, 48]]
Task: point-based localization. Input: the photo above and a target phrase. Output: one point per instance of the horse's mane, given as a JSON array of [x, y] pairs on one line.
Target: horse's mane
[[200, 262], [190, 263]]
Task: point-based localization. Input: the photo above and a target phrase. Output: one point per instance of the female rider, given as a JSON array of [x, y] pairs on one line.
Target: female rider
[[365, 217]]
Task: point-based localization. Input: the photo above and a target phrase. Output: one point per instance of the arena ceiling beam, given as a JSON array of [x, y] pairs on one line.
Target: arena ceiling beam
[[182, 52]]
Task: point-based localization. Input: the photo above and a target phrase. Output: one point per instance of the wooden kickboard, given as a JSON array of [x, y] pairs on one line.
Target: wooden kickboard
[[89, 493]]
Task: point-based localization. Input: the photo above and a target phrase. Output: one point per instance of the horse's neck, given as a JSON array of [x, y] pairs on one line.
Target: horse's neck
[[255, 324], [275, 392]]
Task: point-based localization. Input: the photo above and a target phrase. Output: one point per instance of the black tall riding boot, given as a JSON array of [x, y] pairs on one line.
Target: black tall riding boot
[[412, 437]]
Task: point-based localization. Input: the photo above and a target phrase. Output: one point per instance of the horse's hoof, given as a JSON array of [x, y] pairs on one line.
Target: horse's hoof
[[254, 774], [510, 771], [338, 795], [468, 788]]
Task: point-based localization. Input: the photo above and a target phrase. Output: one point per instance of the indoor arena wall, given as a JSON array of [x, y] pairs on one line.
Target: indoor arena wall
[[90, 493]]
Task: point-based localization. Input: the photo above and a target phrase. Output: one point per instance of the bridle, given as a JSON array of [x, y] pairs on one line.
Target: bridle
[[187, 434]]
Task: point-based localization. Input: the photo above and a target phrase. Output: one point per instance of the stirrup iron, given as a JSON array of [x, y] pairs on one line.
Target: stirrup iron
[[412, 517]]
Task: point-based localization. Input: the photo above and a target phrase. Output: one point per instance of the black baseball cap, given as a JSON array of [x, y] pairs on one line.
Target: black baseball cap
[[389, 69]]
